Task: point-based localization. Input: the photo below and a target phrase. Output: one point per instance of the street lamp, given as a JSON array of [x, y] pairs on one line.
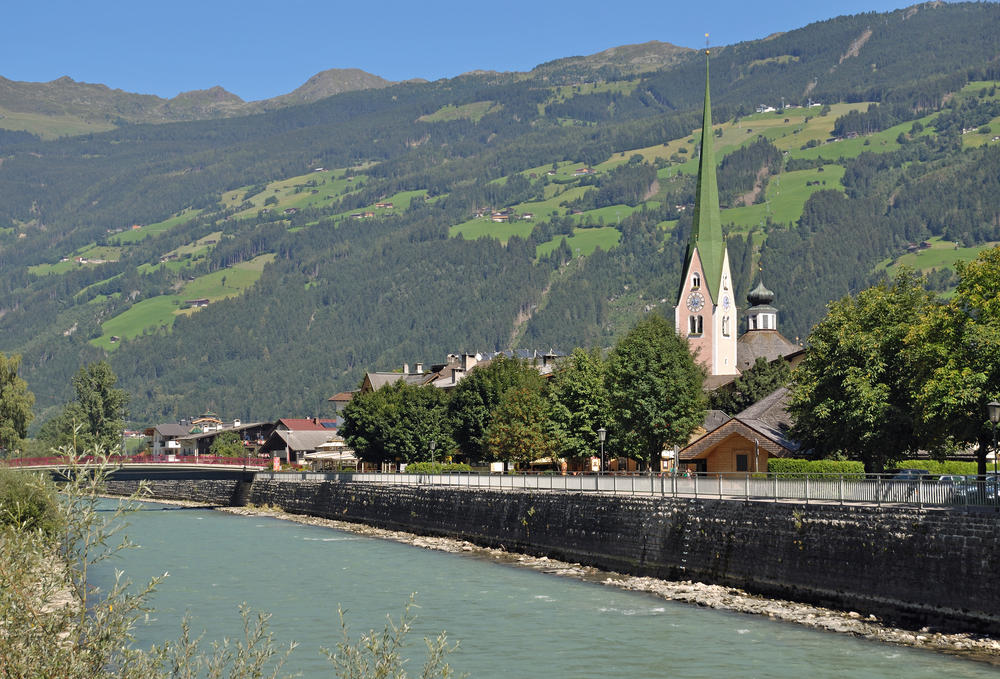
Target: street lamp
[[433, 445], [602, 434], [993, 411]]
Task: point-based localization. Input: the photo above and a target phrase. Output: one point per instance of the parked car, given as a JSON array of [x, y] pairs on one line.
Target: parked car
[[902, 485]]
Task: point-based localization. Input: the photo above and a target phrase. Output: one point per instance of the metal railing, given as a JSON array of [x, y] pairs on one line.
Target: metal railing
[[814, 488], [48, 462]]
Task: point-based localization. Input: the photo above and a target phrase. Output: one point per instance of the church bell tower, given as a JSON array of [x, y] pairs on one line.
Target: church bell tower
[[705, 311]]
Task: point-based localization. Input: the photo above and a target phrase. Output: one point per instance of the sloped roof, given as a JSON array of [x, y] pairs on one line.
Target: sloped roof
[[297, 424], [734, 427], [298, 440], [770, 417], [769, 344], [342, 397], [171, 430]]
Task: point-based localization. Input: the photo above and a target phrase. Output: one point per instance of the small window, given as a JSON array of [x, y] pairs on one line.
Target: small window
[[725, 326], [696, 280], [725, 282], [753, 322], [742, 463]]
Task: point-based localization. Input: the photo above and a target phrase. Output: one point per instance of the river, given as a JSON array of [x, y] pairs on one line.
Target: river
[[511, 622]]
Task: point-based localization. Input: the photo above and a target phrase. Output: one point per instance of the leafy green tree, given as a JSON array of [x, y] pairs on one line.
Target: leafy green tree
[[580, 405], [655, 390], [398, 423], [15, 405], [954, 357], [478, 395], [227, 444], [761, 379], [852, 392], [100, 409], [521, 430]]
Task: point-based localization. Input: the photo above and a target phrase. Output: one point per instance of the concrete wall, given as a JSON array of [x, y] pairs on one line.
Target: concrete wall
[[912, 567]]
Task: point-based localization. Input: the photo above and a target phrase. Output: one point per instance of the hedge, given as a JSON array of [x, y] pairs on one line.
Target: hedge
[[436, 468], [797, 468], [937, 468]]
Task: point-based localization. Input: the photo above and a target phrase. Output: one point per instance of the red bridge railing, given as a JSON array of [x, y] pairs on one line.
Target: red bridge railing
[[143, 459]]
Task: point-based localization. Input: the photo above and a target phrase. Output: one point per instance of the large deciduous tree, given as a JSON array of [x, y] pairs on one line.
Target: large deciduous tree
[[955, 360], [761, 379], [15, 405], [478, 395], [655, 390], [851, 394], [398, 423], [580, 405], [521, 430]]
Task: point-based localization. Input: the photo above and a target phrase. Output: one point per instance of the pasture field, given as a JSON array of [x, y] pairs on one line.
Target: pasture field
[[49, 127], [315, 189], [483, 227], [786, 195], [942, 254], [92, 252], [473, 111], [159, 312], [610, 214], [155, 229], [583, 241]]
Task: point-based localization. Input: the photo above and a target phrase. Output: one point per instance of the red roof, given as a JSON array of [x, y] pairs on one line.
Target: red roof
[[342, 396], [294, 424]]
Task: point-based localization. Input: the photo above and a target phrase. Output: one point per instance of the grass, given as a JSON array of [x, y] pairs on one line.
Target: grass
[[158, 313], [144, 232], [49, 127], [475, 229], [583, 241], [941, 255], [473, 111], [316, 189], [786, 195], [92, 252]]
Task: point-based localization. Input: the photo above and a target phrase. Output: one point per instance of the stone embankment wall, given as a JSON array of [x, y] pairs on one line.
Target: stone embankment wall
[[207, 487], [908, 566]]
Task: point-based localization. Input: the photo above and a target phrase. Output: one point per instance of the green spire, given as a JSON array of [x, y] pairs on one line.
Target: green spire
[[706, 226]]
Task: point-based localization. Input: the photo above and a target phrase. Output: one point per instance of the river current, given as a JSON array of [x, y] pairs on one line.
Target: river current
[[511, 622]]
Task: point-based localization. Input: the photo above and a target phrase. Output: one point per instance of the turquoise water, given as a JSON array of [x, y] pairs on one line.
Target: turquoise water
[[511, 622]]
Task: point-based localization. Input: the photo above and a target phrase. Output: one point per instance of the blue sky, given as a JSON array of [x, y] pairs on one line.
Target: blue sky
[[261, 49]]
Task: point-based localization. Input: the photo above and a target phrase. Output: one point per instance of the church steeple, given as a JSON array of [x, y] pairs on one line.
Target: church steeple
[[706, 224]]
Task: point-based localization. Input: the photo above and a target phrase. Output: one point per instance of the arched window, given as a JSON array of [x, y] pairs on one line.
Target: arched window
[[694, 325], [725, 326], [696, 280]]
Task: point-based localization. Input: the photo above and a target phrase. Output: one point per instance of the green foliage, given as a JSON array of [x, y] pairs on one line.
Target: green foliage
[[655, 390], [476, 398], [580, 405], [15, 405], [437, 467], [801, 469], [520, 429], [761, 379], [954, 359], [851, 393], [100, 408], [398, 423], [28, 502], [227, 444], [939, 467]]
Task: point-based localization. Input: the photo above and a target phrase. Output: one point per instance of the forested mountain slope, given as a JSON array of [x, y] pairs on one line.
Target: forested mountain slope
[[538, 209]]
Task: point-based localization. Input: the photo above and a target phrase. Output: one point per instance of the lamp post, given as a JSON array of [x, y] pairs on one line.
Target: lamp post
[[433, 445], [993, 411], [602, 434]]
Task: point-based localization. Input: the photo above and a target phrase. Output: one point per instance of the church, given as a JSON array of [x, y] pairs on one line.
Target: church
[[706, 312], [707, 315]]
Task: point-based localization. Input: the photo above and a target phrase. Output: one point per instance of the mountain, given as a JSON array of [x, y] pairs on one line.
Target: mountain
[[86, 103], [255, 265]]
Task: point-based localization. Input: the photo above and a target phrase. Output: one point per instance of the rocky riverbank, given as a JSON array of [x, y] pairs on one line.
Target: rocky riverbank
[[710, 596]]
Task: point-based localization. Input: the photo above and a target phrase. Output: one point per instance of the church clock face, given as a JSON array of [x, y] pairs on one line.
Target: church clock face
[[725, 302], [695, 301]]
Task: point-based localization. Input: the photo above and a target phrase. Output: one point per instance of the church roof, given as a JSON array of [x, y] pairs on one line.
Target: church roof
[[706, 226], [769, 344]]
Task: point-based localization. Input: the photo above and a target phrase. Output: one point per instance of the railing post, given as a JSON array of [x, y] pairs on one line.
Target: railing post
[[695, 477], [775, 493], [807, 488], [840, 489], [920, 493], [746, 487], [720, 485]]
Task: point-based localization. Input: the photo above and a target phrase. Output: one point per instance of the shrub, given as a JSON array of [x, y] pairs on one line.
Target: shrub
[[936, 467], [436, 467], [798, 468], [28, 502]]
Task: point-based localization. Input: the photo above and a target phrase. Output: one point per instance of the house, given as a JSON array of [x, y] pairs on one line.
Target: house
[[333, 454], [291, 439], [202, 302], [743, 443], [340, 401], [164, 439], [384, 206], [199, 441], [528, 216], [290, 210]]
